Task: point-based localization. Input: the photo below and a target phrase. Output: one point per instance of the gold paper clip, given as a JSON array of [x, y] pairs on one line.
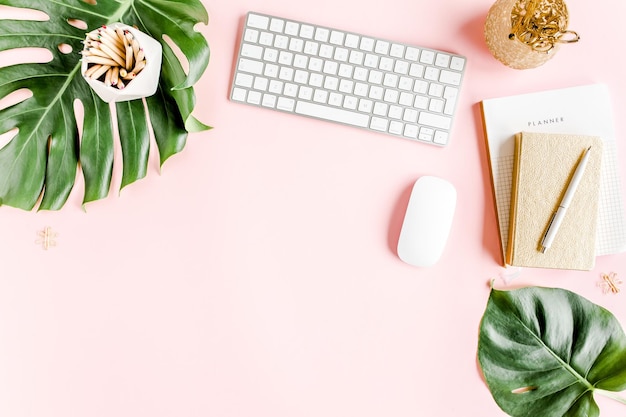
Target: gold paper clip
[[47, 238], [541, 24], [610, 283]]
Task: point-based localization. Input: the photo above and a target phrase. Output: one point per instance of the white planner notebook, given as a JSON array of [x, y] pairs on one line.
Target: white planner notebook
[[584, 110]]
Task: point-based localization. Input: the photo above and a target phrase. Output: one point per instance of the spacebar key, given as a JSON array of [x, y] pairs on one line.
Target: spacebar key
[[332, 114]]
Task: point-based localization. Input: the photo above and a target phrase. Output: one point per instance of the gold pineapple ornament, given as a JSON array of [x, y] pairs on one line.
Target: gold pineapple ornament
[[525, 34]]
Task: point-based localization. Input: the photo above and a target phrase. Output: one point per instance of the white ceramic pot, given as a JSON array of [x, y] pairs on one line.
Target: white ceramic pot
[[144, 84]]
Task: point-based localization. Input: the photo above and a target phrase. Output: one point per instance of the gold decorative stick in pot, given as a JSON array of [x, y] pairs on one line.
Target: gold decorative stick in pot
[[526, 33]]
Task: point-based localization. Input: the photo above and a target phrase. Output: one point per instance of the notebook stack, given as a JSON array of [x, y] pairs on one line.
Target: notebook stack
[[536, 143]]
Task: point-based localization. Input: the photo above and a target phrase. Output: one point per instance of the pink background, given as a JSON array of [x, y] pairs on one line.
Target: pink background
[[256, 274]]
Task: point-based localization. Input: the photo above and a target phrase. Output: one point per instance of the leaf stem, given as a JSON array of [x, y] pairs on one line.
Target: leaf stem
[[124, 6], [611, 395]]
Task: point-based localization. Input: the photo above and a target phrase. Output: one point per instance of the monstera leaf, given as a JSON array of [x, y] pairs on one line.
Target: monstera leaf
[[40, 162], [545, 352]]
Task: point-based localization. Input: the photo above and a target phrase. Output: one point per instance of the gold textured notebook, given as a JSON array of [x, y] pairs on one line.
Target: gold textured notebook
[[544, 164]]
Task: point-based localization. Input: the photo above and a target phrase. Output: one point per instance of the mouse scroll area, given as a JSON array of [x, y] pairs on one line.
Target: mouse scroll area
[[427, 221]]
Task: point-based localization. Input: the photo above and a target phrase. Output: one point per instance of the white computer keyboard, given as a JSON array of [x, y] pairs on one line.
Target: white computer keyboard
[[384, 86]]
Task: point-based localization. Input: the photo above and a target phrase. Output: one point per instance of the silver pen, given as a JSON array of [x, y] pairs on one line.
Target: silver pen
[[559, 214]]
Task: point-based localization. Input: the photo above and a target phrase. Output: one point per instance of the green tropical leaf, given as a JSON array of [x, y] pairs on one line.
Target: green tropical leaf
[[545, 352], [40, 162]]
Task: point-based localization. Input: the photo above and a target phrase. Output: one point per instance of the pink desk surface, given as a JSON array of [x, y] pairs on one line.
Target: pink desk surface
[[256, 275]]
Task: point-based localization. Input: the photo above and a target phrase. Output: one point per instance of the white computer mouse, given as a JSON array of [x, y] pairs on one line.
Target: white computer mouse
[[427, 221]]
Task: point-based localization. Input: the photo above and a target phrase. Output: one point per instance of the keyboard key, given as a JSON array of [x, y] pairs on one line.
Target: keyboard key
[[259, 22], [371, 61], [395, 112], [380, 109], [405, 84], [277, 25], [292, 28], [281, 42], [411, 131], [260, 83], [322, 34], [269, 100], [416, 70], [391, 96], [406, 99], [401, 67], [386, 64], [285, 58], [457, 63], [341, 54], [352, 41], [335, 99], [410, 115], [311, 48], [442, 60], [450, 77], [345, 70], [426, 134], [316, 80], [390, 80], [434, 120], [361, 89], [420, 86], [301, 77], [296, 45], [421, 102], [326, 51], [356, 57], [316, 64], [254, 97], [330, 67], [307, 31], [441, 137], [346, 86], [336, 37], [436, 105], [251, 35], [286, 104], [300, 61], [361, 74], [305, 93], [431, 73], [350, 102], [427, 57], [291, 90], [435, 90], [379, 123], [239, 94], [320, 96], [248, 65], [266, 39], [275, 87], [270, 55], [382, 47], [331, 83], [375, 77], [333, 114], [244, 80], [397, 51], [396, 127], [286, 74], [450, 94], [376, 93], [367, 44], [412, 54], [366, 106], [271, 70]]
